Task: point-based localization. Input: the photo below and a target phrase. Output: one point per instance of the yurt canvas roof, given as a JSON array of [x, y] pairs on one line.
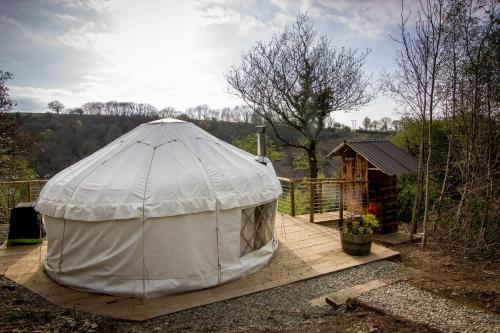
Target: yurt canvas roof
[[163, 168]]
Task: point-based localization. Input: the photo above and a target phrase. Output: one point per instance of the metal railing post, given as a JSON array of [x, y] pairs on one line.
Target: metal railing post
[[292, 197]]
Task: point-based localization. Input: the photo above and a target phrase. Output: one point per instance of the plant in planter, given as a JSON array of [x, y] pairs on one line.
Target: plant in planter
[[356, 235]]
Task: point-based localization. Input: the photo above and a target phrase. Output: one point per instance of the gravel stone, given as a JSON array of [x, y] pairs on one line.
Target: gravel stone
[[404, 300], [279, 308]]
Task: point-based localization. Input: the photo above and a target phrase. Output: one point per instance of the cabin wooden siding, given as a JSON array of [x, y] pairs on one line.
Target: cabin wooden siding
[[383, 192], [378, 188], [354, 168]]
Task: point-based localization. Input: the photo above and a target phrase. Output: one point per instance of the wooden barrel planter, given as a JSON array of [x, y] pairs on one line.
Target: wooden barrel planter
[[356, 245]]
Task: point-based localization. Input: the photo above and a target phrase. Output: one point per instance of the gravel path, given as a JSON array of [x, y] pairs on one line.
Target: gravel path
[[279, 308], [404, 300]]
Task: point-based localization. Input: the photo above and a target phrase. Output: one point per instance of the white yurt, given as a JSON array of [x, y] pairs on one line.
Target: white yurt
[[165, 208]]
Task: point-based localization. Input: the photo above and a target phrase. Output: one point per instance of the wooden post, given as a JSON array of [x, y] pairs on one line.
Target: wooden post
[[292, 197], [341, 203], [29, 191], [320, 201], [311, 201]]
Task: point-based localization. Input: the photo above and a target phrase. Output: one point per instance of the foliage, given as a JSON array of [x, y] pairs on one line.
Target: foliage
[[302, 203], [362, 226], [14, 142], [462, 178], [6, 103], [301, 162], [249, 144], [14, 146], [129, 109]]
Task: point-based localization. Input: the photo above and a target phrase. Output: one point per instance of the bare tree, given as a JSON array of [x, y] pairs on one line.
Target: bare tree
[[56, 106], [213, 114], [329, 122], [93, 108], [396, 124], [385, 122], [226, 114], [297, 79], [199, 112], [243, 113], [416, 77], [169, 112], [478, 119], [366, 123]]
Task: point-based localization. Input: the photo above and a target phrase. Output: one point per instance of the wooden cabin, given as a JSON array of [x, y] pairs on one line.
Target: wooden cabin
[[376, 165]]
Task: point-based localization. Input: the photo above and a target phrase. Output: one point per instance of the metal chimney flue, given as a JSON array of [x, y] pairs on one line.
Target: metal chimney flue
[[261, 145]]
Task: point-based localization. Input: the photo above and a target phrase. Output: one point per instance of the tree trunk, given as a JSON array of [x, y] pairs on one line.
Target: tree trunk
[[445, 177], [451, 136], [427, 178], [313, 172], [418, 193], [312, 159]]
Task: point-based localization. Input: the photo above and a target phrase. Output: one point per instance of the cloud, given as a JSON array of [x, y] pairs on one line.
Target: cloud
[[161, 52], [369, 18], [47, 43], [35, 99], [246, 15]]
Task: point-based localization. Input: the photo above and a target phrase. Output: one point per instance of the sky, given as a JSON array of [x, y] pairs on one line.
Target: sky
[[171, 53]]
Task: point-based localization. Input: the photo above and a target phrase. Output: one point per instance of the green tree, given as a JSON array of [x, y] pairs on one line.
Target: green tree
[[113, 133], [14, 142], [6, 103], [249, 144]]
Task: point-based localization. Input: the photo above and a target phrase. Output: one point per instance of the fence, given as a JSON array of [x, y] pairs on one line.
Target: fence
[[14, 192], [324, 195]]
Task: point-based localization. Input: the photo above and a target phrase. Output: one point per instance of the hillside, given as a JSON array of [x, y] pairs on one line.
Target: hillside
[[62, 140]]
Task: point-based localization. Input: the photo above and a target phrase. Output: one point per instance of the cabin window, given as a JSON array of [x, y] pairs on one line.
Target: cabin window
[[257, 226]]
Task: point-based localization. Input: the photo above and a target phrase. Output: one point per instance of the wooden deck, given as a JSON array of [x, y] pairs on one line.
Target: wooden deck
[[305, 250], [332, 217]]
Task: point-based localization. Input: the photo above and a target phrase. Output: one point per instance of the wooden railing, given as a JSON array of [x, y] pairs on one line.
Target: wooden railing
[[302, 196], [14, 192]]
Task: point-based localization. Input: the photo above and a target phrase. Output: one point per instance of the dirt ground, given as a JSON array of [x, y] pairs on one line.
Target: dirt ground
[[470, 280], [473, 281]]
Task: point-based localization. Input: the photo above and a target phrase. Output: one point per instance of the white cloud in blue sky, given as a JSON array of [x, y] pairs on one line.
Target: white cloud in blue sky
[[168, 53]]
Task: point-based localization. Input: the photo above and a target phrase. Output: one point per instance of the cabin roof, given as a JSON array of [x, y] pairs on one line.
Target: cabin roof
[[386, 156]]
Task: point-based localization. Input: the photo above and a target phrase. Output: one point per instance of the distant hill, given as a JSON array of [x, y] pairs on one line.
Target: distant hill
[[65, 139]]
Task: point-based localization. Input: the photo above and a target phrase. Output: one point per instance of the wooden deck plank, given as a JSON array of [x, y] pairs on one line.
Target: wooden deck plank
[[305, 251]]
